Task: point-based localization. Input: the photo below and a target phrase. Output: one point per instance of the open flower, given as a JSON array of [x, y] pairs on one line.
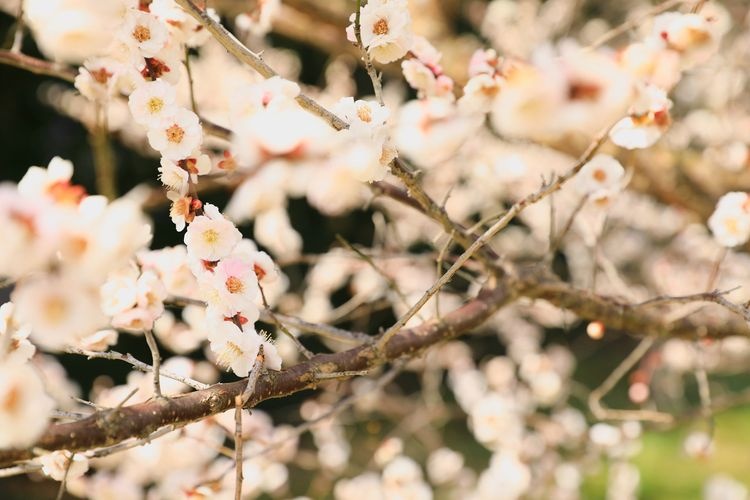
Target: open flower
[[59, 309], [211, 236], [385, 29], [233, 288], [144, 32], [730, 222], [235, 349], [603, 174], [63, 465], [152, 102], [174, 177], [648, 119], [177, 135], [24, 406]]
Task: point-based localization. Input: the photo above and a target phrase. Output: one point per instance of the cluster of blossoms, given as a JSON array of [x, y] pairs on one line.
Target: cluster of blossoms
[[61, 245], [227, 270]]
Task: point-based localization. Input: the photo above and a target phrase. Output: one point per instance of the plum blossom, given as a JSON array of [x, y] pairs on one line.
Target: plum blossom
[[600, 176], [424, 73], [232, 288], [275, 93], [177, 135], [18, 347], [152, 102], [210, 236], [144, 32], [63, 464], [385, 29], [694, 36], [648, 119], [174, 177], [98, 78], [58, 308], [235, 349], [266, 135], [134, 301], [730, 221], [431, 130], [24, 405]]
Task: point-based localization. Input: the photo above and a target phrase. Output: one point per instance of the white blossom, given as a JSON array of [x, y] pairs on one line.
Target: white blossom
[[24, 405], [211, 236]]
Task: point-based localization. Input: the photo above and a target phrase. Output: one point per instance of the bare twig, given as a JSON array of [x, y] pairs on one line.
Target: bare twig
[[61, 490], [300, 347], [191, 85], [517, 208], [250, 58], [376, 85], [37, 66], [18, 34], [634, 22], [238, 447], [144, 367], [604, 413]]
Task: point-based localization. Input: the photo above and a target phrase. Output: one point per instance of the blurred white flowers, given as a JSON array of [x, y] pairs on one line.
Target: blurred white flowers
[[730, 222], [24, 405]]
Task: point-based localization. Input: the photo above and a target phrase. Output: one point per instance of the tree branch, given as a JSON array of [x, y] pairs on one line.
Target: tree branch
[[107, 428]]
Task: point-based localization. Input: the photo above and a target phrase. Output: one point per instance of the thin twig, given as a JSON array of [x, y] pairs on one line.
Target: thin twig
[[595, 397], [304, 350], [190, 80], [374, 78], [18, 34], [391, 282], [238, 447], [517, 208], [139, 365], [126, 445], [155, 359], [250, 58], [61, 489], [555, 244], [104, 161], [633, 23]]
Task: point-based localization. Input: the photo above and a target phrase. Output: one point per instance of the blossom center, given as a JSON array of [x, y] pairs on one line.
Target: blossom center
[[141, 33], [210, 236], [175, 134], [380, 27], [364, 113], [100, 75], [730, 224], [600, 175], [230, 352], [584, 91], [12, 399], [54, 309], [154, 105], [234, 284]]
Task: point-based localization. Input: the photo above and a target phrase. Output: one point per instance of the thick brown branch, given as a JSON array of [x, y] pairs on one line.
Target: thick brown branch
[[106, 428], [636, 319]]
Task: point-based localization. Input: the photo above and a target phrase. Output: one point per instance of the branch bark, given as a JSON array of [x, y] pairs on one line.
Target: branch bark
[[109, 427]]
